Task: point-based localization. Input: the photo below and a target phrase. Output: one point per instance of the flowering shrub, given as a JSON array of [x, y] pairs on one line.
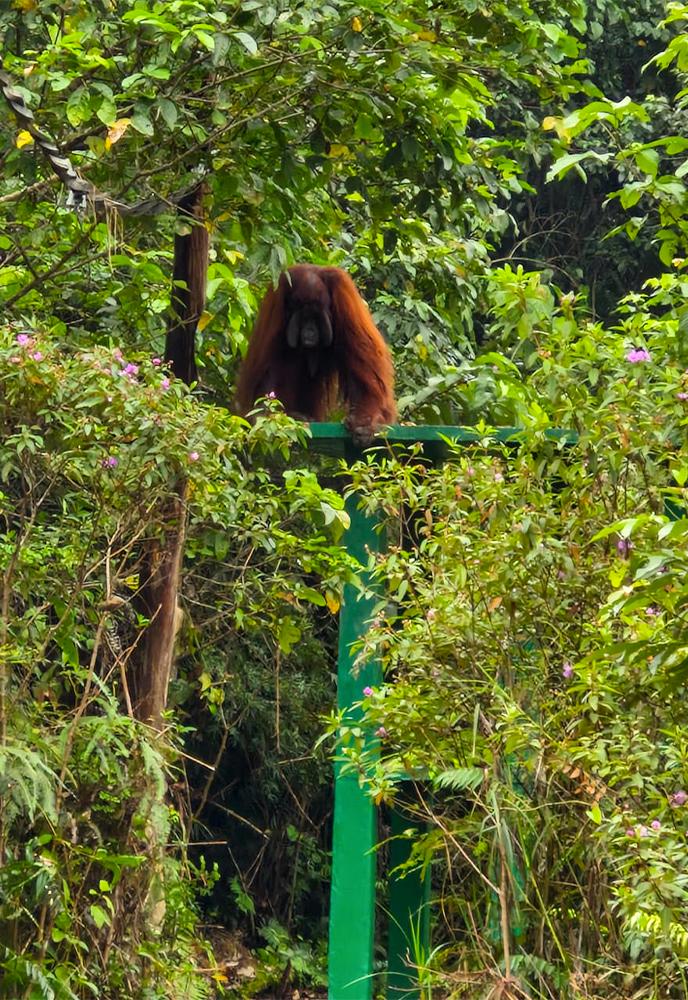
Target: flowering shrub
[[93, 445], [536, 651]]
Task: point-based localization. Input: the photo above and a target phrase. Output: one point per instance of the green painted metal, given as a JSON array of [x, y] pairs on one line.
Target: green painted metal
[[352, 896], [354, 836], [435, 440], [409, 913]]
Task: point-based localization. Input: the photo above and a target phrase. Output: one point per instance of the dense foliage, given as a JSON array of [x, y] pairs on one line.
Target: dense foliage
[[502, 179], [538, 681], [92, 445]]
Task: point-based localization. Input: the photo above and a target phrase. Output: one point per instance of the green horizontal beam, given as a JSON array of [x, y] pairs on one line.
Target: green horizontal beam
[[435, 439]]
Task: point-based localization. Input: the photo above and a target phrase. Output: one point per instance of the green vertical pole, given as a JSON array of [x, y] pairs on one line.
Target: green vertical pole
[[409, 913], [354, 835]]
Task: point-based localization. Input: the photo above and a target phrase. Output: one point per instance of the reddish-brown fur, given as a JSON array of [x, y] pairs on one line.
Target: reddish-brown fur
[[356, 368]]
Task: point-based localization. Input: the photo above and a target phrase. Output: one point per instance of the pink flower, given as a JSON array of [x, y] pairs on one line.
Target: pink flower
[[430, 614], [271, 395], [656, 825], [194, 456], [682, 395], [630, 832], [678, 798], [470, 471], [37, 356], [652, 612], [16, 360], [117, 354], [643, 831], [110, 462], [131, 370], [498, 477], [156, 362], [381, 732], [638, 354], [567, 671], [367, 691], [23, 339], [624, 546], [165, 383]]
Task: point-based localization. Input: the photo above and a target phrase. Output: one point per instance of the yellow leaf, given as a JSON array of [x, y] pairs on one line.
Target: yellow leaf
[[116, 131], [494, 603], [427, 36], [338, 150], [203, 320], [25, 5], [356, 24], [332, 601], [550, 123], [24, 138]]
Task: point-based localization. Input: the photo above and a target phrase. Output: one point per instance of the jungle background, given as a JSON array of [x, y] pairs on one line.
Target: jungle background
[[506, 183]]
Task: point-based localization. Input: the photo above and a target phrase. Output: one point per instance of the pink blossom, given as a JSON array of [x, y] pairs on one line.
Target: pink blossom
[[156, 362], [567, 671], [165, 383], [271, 395], [430, 614], [682, 395], [194, 456], [630, 832], [110, 462], [24, 340], [656, 825], [16, 360], [638, 354], [498, 477], [652, 612], [643, 831], [367, 691], [131, 369], [678, 798], [624, 546], [381, 732], [37, 356], [470, 471], [117, 354]]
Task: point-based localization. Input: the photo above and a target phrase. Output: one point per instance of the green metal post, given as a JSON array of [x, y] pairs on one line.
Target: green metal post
[[354, 836], [352, 898], [409, 913]]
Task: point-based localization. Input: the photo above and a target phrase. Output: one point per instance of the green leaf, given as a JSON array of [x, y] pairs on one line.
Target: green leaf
[[220, 48], [648, 161], [311, 595], [288, 635], [100, 917], [169, 112], [459, 778], [78, 109], [248, 41], [142, 123], [595, 814], [206, 39], [568, 161], [107, 112]]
